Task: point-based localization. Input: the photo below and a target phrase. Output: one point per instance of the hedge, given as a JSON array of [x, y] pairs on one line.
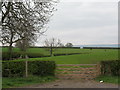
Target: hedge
[[5, 55], [111, 68], [17, 69], [42, 68], [15, 55], [13, 69]]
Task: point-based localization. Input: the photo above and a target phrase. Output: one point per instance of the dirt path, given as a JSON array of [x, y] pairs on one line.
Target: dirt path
[[73, 84]]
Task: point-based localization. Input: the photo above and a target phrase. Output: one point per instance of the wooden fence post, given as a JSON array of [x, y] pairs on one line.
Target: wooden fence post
[[98, 69], [26, 68]]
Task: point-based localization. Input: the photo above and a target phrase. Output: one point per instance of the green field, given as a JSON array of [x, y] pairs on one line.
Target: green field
[[87, 56], [46, 51]]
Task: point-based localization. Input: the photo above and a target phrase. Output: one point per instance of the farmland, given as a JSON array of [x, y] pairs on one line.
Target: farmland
[[83, 56], [86, 56]]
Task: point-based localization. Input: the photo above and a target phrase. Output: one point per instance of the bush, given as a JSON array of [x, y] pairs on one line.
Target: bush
[[62, 54], [13, 69], [16, 55], [41, 68], [17, 69], [5, 55], [36, 55], [111, 68]]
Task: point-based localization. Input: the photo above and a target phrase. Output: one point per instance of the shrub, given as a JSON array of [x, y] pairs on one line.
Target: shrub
[[13, 69], [41, 68], [62, 54], [17, 69], [5, 55], [15, 55], [110, 67], [36, 55]]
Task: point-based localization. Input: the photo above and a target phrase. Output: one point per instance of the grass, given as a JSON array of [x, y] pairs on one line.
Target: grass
[[45, 51], [87, 57], [20, 81], [94, 56], [109, 79]]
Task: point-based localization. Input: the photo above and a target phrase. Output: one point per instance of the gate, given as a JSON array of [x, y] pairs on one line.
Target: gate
[[77, 71]]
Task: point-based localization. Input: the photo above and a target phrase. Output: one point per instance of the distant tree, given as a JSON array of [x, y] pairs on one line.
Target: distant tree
[[69, 45], [24, 44], [52, 43]]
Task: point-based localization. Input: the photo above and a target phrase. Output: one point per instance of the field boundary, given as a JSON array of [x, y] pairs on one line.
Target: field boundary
[[76, 64], [77, 71]]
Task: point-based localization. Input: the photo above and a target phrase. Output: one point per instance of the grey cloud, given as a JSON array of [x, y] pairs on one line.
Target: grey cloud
[[84, 23], [76, 18]]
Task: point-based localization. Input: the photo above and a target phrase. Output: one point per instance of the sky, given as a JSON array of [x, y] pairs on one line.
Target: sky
[[83, 23]]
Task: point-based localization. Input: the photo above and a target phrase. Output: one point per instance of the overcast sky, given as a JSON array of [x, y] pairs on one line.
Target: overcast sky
[[84, 23]]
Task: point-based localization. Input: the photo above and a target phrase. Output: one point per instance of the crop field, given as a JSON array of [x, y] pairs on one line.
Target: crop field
[[86, 56]]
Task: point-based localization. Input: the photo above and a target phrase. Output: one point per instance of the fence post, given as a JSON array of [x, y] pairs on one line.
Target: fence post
[[26, 68], [98, 69]]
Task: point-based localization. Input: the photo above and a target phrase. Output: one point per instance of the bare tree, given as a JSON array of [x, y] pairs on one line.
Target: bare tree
[[24, 44], [21, 20], [52, 43]]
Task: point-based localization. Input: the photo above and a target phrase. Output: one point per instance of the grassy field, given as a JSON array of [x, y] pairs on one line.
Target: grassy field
[[46, 51], [88, 57], [20, 81]]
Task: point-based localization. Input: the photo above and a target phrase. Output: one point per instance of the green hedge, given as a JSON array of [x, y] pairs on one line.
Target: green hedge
[[13, 69], [41, 68], [111, 68], [15, 55], [5, 55], [17, 69], [36, 55]]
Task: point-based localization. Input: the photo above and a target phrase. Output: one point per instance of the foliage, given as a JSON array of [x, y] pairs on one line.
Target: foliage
[[69, 45], [17, 68], [41, 68], [18, 55], [13, 69], [24, 21], [111, 68], [5, 55], [36, 55]]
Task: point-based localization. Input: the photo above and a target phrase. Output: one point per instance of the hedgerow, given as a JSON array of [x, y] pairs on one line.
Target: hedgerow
[[18, 68], [111, 68]]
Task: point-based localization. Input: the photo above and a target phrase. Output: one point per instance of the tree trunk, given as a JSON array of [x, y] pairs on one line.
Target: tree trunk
[[10, 51], [10, 46], [51, 50], [26, 68]]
